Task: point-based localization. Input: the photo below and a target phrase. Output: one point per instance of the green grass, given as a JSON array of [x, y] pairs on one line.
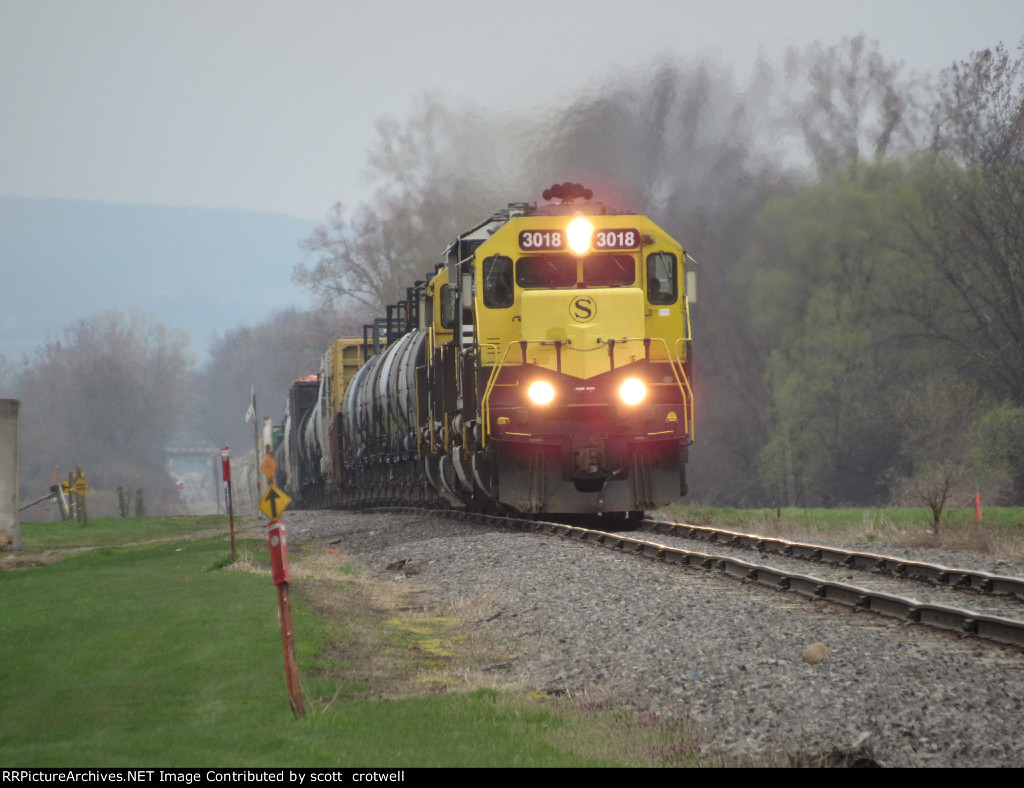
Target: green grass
[[148, 655], [115, 531], [999, 535], [825, 520]]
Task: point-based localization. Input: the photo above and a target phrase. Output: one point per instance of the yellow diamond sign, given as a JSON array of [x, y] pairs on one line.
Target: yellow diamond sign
[[274, 502]]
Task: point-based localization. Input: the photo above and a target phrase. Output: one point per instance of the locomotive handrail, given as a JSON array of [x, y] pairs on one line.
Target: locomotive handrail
[[485, 402], [682, 382], [689, 390]]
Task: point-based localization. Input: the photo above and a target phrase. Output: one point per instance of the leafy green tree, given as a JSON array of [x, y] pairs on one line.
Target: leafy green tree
[[822, 282], [997, 448]]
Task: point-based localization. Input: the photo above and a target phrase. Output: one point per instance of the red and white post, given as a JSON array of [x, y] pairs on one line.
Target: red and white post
[[225, 463], [280, 574]]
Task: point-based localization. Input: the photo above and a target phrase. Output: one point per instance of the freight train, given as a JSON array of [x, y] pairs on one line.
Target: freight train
[[543, 366]]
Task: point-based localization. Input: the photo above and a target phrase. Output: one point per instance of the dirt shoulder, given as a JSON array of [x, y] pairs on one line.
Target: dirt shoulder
[[388, 634]]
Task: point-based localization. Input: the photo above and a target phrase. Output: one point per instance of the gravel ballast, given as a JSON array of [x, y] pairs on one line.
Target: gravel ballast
[[694, 645]]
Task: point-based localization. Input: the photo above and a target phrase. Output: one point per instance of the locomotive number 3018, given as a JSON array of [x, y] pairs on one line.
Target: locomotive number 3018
[[543, 240], [554, 240], [616, 239]]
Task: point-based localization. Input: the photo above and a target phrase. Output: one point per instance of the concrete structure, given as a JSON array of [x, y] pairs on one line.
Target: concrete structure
[[10, 525]]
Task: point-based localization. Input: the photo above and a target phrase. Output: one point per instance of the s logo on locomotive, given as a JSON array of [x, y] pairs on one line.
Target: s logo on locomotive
[[583, 309]]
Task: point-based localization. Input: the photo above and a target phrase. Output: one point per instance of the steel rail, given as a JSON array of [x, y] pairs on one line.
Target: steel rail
[[1005, 631], [960, 579]]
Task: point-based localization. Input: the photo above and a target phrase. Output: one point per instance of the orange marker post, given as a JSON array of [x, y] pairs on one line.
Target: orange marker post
[[977, 507]]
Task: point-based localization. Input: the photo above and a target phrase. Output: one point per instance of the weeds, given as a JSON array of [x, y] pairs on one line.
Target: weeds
[[999, 536], [220, 563]]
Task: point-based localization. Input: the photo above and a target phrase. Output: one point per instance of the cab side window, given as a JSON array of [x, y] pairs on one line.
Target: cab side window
[[662, 278], [449, 297], [498, 292]]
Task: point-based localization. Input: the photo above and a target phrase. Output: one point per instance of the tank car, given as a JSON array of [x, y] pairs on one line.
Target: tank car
[[544, 366]]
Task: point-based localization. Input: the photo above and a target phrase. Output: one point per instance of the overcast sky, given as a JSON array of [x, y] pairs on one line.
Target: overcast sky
[[270, 105]]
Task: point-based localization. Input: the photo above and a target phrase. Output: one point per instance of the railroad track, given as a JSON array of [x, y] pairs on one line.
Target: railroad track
[[881, 584], [966, 601], [948, 577]]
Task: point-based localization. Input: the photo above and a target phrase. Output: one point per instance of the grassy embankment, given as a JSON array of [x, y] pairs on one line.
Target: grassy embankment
[[1000, 534], [145, 649]]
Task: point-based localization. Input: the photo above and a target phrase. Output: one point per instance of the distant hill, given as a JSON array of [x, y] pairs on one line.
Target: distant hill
[[205, 271]]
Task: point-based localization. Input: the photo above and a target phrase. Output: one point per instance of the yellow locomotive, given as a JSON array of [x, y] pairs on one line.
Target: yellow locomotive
[[543, 366]]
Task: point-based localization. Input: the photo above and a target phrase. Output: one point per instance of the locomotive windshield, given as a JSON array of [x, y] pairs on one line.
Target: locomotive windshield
[[554, 270], [608, 270], [549, 270]]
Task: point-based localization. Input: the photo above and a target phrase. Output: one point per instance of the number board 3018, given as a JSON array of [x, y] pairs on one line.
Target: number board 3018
[[542, 240], [626, 238], [554, 240]]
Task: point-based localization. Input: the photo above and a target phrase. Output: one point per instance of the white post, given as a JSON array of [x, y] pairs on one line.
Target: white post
[[10, 527]]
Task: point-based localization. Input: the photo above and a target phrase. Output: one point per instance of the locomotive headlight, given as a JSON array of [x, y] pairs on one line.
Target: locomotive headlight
[[579, 231], [541, 392], [633, 391]]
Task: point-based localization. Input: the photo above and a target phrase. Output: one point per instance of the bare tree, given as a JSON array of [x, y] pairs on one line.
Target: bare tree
[[978, 115], [436, 175], [940, 484], [8, 377], [107, 397], [945, 457], [264, 359], [973, 231], [849, 103]]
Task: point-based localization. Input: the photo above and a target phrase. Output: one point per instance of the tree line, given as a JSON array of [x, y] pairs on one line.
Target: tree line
[[859, 337], [119, 388]]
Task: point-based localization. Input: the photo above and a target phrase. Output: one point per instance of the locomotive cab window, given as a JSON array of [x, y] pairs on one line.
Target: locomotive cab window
[[662, 278], [546, 271], [449, 298], [498, 292], [608, 270]]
